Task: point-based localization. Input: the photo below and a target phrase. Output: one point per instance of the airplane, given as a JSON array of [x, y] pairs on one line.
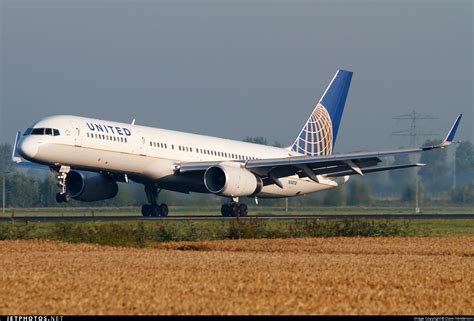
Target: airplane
[[91, 155]]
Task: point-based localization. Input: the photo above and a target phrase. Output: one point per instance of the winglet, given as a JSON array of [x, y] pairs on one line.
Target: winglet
[[449, 139]]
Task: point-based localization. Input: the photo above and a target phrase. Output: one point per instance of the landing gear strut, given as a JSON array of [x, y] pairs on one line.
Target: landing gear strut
[[63, 195], [234, 208], [153, 209]]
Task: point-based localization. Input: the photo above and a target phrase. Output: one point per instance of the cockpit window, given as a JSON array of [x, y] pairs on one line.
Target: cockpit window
[[42, 131], [37, 131]]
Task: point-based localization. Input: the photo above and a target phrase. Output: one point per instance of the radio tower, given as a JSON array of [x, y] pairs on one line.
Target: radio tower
[[414, 132]]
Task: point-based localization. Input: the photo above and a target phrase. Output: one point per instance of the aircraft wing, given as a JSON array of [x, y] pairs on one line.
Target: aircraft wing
[[318, 167]]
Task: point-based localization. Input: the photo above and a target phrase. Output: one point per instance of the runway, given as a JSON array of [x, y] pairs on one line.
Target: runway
[[220, 218]]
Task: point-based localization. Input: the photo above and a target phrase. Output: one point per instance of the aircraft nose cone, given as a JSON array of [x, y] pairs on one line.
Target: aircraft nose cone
[[28, 148]]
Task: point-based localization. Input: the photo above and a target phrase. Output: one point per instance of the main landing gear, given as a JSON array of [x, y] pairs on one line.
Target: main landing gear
[[63, 196], [153, 209], [234, 208]]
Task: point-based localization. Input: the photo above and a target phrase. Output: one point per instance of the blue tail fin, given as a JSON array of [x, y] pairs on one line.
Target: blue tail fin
[[318, 135]]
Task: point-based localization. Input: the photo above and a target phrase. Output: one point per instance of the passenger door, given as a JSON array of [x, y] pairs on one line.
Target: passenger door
[[77, 134], [143, 143]]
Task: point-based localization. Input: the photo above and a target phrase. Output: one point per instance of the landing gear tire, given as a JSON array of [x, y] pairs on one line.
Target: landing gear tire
[[155, 210], [234, 209], [242, 209], [163, 210], [146, 210], [62, 197], [59, 198], [226, 210]]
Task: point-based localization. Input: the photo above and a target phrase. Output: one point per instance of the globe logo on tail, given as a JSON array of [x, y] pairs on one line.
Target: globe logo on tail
[[316, 137]]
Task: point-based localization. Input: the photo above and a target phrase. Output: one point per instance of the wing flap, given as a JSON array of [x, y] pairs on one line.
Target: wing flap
[[373, 169]]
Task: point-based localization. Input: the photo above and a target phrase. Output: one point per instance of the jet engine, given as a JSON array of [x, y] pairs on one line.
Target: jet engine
[[89, 186], [229, 179]]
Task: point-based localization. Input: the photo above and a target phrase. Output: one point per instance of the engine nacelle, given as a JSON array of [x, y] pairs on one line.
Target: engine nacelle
[[231, 180], [89, 186]]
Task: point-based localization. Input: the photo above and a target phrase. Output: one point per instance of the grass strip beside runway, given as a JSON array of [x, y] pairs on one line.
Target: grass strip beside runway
[[142, 234]]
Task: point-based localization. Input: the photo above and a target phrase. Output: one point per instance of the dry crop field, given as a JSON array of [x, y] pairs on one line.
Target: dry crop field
[[280, 276]]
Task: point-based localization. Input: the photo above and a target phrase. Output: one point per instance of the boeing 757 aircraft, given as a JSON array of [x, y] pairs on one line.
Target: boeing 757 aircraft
[[91, 155]]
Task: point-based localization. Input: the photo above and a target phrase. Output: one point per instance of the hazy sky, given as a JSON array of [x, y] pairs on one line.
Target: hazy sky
[[238, 68]]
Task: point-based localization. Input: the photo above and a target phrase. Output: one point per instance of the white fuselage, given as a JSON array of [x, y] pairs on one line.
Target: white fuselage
[[148, 154]]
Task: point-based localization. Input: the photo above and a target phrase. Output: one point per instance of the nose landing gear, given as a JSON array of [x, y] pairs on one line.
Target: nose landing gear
[[63, 195]]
